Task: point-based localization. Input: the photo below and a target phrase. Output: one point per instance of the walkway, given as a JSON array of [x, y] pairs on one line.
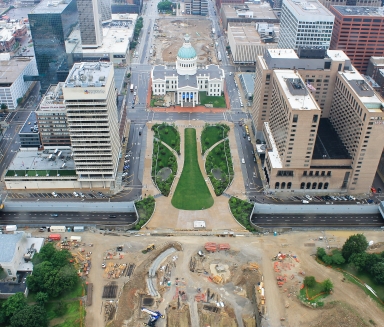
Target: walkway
[[218, 217]]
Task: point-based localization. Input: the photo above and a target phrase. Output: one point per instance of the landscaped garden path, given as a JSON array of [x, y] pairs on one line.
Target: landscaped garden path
[[166, 216]]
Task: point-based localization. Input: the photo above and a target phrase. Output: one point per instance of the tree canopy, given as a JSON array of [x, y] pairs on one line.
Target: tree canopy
[[165, 5], [13, 304], [354, 244], [30, 316]]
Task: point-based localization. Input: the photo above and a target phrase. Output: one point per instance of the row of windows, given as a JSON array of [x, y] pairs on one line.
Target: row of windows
[[316, 173]]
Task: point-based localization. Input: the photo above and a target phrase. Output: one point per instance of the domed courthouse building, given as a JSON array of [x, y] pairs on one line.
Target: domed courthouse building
[[186, 80]]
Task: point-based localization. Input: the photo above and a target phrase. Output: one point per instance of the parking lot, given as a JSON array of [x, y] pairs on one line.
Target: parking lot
[[88, 196]]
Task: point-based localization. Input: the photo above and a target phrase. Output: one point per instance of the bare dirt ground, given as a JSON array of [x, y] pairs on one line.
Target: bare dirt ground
[[231, 302], [170, 37]]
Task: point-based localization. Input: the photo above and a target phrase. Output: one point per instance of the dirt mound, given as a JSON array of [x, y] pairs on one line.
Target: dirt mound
[[178, 317], [222, 319], [338, 314]]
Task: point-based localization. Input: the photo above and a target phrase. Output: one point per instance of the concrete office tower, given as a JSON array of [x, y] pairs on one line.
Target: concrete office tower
[[90, 101], [51, 24], [52, 119], [358, 31], [106, 12], [91, 29], [305, 24], [336, 150]]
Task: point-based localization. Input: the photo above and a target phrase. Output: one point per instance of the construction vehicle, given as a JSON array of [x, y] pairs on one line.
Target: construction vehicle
[[153, 316], [149, 248]]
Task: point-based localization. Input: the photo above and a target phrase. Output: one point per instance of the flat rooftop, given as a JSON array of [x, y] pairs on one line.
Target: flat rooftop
[[360, 11], [263, 10], [295, 90], [245, 34], [11, 69], [363, 90], [125, 17], [115, 40], [7, 30], [50, 7], [282, 53], [30, 122], [89, 74], [305, 9], [53, 99], [32, 162], [328, 144]]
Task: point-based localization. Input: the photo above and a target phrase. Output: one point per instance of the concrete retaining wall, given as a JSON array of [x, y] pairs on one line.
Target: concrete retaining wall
[[287, 209], [41, 206]]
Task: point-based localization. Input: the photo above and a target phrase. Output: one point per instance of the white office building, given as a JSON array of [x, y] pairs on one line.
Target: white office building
[[305, 24], [90, 23], [186, 80], [12, 84], [90, 101]]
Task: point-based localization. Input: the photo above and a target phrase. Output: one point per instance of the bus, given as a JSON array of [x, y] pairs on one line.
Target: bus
[[131, 88]]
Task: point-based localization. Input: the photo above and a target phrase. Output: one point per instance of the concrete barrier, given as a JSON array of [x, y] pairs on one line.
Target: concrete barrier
[[41, 206], [268, 209]]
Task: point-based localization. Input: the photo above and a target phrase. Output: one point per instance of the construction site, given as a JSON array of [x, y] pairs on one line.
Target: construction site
[[200, 281], [169, 37]]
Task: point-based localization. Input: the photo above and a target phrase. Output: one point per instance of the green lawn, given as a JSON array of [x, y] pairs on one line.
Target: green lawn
[[216, 101], [212, 134], [192, 192], [220, 157], [168, 134], [163, 157]]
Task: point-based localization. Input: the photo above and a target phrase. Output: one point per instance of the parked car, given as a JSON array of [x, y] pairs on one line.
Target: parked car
[[54, 194], [309, 198], [249, 138], [370, 201], [75, 194], [54, 215], [82, 195], [100, 194], [242, 160], [305, 201]]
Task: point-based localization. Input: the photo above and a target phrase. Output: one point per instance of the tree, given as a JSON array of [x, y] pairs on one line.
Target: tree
[[164, 5], [327, 286], [14, 304], [41, 298], [354, 244], [337, 258], [320, 253], [327, 259], [30, 316], [377, 272], [3, 106], [309, 281]]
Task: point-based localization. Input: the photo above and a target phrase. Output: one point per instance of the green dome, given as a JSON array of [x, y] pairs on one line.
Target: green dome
[[186, 52]]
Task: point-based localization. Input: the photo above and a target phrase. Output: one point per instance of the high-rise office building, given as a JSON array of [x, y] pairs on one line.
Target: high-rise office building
[[320, 121], [196, 7], [106, 11], [91, 28], [50, 25], [359, 32], [52, 119], [90, 102], [305, 24]]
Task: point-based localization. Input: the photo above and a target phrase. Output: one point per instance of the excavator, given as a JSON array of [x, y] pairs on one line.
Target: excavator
[[153, 317]]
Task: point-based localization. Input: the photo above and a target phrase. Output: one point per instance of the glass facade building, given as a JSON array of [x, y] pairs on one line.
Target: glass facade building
[[50, 26]]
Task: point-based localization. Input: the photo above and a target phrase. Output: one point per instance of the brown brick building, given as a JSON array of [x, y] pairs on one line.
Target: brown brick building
[[359, 32]]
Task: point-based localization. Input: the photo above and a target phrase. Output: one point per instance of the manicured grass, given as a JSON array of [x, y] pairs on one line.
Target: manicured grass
[[145, 210], [315, 290], [163, 157], [168, 134], [192, 192], [220, 157], [213, 134], [312, 292], [216, 101], [32, 173], [241, 210]]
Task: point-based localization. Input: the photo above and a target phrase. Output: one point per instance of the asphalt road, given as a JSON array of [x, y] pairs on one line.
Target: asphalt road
[[373, 220], [65, 218]]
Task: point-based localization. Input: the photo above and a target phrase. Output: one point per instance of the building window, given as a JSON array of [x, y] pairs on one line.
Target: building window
[[277, 185], [310, 173], [9, 272], [323, 173], [320, 186], [329, 173], [295, 118], [302, 185], [289, 185], [326, 186], [314, 186], [283, 185], [308, 186]]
